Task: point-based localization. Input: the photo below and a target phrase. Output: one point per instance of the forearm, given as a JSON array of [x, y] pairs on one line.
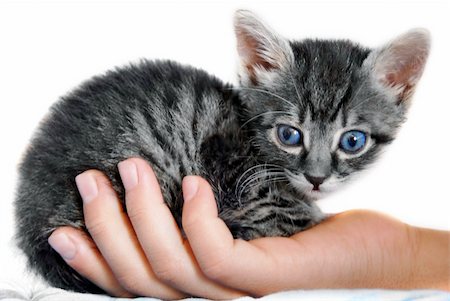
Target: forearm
[[376, 251], [432, 259]]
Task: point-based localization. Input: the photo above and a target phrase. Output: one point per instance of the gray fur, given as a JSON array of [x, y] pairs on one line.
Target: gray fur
[[184, 121]]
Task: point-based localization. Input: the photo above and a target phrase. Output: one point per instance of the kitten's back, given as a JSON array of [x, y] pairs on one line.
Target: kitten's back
[[149, 110]]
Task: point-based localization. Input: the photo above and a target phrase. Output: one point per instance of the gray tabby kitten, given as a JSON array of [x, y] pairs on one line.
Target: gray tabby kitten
[[307, 116]]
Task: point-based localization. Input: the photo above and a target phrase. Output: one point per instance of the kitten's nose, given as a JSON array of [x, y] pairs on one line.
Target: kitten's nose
[[316, 181]]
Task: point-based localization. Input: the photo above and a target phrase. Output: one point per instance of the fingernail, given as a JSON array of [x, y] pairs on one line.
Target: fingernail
[[190, 187], [128, 173], [87, 186], [62, 244]]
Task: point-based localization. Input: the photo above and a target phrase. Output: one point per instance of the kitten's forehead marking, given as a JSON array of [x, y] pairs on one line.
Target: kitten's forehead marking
[[326, 72], [351, 119], [306, 138], [318, 131]]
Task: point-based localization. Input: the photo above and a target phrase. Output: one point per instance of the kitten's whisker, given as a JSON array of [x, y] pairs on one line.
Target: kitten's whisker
[[248, 187], [255, 178], [257, 166], [275, 177], [248, 181], [272, 180], [257, 173], [247, 171], [238, 183]]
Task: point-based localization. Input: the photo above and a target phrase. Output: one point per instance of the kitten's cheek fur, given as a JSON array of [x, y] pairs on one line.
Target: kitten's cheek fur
[[330, 185]]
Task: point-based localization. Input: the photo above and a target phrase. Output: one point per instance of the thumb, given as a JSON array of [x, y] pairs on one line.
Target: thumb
[[205, 231], [199, 207], [198, 195]]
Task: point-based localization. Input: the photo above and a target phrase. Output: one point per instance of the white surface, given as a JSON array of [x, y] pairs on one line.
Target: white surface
[[52, 294], [48, 47]]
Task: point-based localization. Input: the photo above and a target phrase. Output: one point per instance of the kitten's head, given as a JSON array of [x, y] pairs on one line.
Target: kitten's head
[[323, 110]]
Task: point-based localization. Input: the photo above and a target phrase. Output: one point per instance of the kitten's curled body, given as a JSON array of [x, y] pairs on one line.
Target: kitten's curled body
[[184, 121], [188, 125]]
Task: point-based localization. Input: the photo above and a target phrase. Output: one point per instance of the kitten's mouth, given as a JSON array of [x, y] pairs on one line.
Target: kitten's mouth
[[316, 190], [315, 194]]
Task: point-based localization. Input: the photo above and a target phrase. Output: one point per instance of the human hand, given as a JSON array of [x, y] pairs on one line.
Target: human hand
[[138, 253], [148, 255]]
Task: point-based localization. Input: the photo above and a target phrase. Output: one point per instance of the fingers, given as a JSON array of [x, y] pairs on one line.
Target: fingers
[[80, 253], [113, 234], [152, 259], [169, 254]]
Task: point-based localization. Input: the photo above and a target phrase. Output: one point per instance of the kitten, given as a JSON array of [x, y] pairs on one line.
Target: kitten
[[308, 115]]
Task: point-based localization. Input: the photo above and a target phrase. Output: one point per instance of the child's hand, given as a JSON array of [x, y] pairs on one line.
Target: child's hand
[[138, 253], [143, 252]]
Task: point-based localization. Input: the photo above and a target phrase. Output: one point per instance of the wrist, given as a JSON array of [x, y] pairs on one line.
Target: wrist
[[431, 258]]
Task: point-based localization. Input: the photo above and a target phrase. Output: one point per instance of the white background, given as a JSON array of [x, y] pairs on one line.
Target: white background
[[48, 47]]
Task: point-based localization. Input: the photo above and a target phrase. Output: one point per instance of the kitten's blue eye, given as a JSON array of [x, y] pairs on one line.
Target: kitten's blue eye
[[289, 136], [352, 141]]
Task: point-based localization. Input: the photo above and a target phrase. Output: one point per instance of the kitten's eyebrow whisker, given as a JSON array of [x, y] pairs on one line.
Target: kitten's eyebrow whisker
[[359, 91], [265, 113], [295, 85], [270, 93], [360, 87], [364, 101]]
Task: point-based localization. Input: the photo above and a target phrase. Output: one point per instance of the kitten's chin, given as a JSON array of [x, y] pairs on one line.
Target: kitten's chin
[[315, 194]]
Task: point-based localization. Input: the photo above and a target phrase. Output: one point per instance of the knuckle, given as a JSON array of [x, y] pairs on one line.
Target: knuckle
[[217, 268], [189, 222], [96, 226], [122, 293], [168, 271], [130, 282], [137, 214]]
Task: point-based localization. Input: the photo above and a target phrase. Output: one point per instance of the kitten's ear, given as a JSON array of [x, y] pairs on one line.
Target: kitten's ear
[[399, 65], [260, 49]]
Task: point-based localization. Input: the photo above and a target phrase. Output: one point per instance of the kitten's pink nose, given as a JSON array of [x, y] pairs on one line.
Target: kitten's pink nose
[[316, 181]]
